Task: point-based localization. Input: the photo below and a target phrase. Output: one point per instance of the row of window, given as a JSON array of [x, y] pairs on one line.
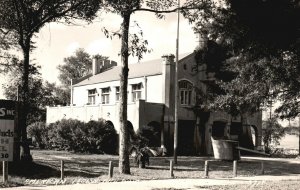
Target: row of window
[[105, 92], [185, 92]]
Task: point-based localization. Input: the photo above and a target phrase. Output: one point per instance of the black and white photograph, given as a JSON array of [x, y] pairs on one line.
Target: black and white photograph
[[150, 94]]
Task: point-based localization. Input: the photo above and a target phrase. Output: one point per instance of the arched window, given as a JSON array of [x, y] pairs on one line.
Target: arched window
[[185, 91]]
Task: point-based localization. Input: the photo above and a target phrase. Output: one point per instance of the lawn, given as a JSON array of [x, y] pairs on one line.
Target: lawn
[[92, 168], [259, 185]]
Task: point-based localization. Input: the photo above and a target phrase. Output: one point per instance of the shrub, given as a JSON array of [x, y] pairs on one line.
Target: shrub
[[91, 137], [38, 131], [272, 132], [150, 136], [101, 136]]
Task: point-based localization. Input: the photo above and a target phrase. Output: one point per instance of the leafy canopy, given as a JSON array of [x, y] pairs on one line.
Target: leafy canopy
[[261, 39]]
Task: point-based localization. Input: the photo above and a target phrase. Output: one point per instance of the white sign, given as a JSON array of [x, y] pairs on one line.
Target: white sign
[[7, 130]]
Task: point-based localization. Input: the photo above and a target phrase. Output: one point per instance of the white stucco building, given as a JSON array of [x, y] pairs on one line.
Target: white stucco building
[[151, 98]]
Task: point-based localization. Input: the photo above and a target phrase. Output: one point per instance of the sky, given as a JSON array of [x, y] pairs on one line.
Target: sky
[[57, 41]]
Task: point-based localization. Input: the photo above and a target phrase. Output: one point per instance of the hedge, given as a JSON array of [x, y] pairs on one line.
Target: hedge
[[75, 135]]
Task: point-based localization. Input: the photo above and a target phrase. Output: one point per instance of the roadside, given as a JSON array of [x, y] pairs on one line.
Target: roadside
[[172, 184], [44, 172]]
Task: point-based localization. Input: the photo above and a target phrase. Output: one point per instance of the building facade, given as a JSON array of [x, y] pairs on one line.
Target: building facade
[[151, 98]]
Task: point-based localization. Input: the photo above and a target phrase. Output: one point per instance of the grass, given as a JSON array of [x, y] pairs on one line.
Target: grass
[[262, 185], [82, 168]]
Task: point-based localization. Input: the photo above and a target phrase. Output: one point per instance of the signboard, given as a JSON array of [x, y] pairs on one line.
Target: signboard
[[7, 129]]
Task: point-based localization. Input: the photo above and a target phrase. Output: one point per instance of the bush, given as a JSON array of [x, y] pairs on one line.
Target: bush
[[77, 136], [272, 132], [150, 135], [38, 132], [66, 135]]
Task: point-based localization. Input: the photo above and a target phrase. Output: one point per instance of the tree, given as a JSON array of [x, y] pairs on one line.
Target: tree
[[41, 94], [74, 68], [263, 49], [272, 132], [134, 45], [22, 19]]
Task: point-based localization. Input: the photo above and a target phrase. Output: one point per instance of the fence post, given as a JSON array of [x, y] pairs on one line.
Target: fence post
[[110, 169], [171, 168], [262, 172], [234, 168], [5, 171], [62, 170], [206, 168]]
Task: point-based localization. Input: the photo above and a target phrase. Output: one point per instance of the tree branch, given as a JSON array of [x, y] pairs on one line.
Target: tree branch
[[166, 11]]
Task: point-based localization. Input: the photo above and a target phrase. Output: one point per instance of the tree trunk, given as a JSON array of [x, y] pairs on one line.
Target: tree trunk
[[25, 151], [124, 167]]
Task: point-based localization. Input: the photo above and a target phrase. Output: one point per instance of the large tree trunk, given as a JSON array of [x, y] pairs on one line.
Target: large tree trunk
[[124, 167], [25, 151]]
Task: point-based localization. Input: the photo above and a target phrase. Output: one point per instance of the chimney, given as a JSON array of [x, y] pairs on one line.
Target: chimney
[[202, 40], [168, 71], [168, 59], [95, 66]]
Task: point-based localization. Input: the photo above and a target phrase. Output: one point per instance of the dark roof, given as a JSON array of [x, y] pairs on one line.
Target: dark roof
[[147, 68]]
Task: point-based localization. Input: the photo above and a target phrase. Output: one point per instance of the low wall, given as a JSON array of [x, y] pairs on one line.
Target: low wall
[[139, 113]]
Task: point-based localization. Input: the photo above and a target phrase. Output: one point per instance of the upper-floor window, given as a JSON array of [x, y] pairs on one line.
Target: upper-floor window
[[136, 91], [185, 91], [105, 95], [117, 93], [92, 96]]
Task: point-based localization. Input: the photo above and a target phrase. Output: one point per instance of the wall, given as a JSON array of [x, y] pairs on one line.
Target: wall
[[154, 89], [187, 72], [139, 113], [151, 86]]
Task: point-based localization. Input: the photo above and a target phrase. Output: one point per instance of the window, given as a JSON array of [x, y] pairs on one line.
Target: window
[[185, 90], [117, 93], [136, 91], [105, 95], [92, 96]]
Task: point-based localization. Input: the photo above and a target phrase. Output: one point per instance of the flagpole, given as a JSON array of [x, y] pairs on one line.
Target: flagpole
[[176, 91]]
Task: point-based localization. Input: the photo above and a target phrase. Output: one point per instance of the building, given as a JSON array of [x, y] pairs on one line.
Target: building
[[151, 103]]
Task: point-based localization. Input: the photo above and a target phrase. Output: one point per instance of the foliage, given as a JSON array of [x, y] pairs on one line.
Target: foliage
[[38, 132], [262, 51], [150, 135], [292, 130], [272, 132], [91, 137], [41, 93]]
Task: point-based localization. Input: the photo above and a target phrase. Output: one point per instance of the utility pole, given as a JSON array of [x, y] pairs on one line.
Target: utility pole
[[176, 90], [71, 99], [299, 138], [270, 127]]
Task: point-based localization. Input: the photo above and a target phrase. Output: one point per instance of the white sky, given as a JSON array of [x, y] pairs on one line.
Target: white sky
[[57, 41]]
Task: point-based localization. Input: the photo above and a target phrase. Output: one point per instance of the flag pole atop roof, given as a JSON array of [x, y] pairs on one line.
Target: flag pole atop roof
[[176, 90]]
